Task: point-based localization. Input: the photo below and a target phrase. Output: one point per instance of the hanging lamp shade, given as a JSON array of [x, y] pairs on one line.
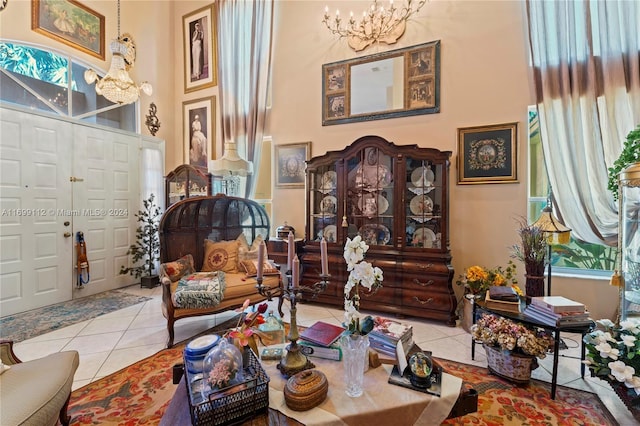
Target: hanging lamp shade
[[555, 231]]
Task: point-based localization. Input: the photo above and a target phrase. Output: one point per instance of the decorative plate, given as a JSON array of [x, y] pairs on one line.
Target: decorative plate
[[331, 234], [421, 205], [375, 234], [373, 178], [371, 205], [329, 205], [423, 237], [328, 180], [422, 176]]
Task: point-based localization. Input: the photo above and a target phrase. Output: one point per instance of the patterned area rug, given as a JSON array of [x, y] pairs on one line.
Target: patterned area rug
[[140, 394], [38, 321]]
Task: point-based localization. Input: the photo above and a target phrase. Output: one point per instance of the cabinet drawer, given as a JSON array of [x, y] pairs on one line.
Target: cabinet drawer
[[423, 267], [428, 300], [425, 283]]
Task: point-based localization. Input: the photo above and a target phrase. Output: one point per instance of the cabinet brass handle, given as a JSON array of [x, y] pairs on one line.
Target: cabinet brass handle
[[423, 302], [426, 266], [428, 283]]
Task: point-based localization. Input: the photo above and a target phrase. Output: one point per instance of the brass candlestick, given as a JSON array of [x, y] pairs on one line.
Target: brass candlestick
[[295, 360]]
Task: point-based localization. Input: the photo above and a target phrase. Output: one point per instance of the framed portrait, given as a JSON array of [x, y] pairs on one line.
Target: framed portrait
[[198, 119], [71, 23], [291, 164], [488, 154], [199, 34]]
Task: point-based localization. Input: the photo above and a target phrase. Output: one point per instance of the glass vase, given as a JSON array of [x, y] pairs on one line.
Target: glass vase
[[355, 352]]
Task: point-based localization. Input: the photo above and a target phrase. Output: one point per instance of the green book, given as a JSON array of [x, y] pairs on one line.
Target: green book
[[333, 352]]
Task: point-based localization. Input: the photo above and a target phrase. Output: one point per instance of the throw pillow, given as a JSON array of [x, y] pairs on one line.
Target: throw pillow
[[251, 268], [220, 256], [247, 253], [178, 268]]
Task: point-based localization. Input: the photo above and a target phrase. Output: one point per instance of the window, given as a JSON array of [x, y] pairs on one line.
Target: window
[[577, 256], [54, 82]]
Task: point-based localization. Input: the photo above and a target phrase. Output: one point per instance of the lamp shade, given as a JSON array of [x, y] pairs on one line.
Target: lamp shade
[[555, 231], [230, 163]]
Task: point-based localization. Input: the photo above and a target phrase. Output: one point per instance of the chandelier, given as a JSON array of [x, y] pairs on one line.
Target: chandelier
[[117, 86], [377, 24]]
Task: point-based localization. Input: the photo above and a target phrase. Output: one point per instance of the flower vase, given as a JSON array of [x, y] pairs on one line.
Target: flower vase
[[534, 287], [467, 311], [355, 352]]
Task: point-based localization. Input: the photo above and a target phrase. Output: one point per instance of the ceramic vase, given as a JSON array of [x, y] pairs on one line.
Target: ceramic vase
[[355, 353]]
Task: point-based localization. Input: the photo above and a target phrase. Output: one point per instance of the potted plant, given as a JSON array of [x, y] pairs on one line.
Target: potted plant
[[147, 246], [512, 348], [532, 252], [630, 154]]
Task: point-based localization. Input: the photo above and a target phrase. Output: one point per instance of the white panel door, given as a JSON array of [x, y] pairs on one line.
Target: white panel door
[[106, 193], [35, 202]]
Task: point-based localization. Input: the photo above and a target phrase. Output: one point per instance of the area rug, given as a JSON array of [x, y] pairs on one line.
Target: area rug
[[35, 322], [140, 394]]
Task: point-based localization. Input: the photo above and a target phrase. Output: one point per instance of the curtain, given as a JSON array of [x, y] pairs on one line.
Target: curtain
[[587, 76], [244, 55]]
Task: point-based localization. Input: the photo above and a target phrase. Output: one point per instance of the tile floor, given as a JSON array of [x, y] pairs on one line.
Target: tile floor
[[113, 341]]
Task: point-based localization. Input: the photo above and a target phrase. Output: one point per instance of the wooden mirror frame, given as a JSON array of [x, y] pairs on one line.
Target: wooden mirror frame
[[421, 73]]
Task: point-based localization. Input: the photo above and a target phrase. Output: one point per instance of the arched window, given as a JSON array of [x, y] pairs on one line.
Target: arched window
[[54, 82]]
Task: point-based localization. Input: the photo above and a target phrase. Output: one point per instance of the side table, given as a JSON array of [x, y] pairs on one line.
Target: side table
[[480, 306]]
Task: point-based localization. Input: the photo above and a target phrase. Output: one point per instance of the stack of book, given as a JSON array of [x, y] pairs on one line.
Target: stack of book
[[502, 298], [320, 341], [557, 311], [387, 333]]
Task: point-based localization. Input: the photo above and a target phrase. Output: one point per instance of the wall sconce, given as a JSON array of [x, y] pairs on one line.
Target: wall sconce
[[377, 24]]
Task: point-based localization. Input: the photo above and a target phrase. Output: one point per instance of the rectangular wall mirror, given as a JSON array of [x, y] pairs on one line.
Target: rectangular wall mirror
[[397, 83]]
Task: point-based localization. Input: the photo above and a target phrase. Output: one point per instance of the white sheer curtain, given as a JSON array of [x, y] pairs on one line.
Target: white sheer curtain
[[244, 55], [587, 76]]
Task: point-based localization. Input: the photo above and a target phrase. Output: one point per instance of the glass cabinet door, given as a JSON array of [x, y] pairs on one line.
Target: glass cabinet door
[[369, 203], [629, 239], [423, 203], [323, 204]]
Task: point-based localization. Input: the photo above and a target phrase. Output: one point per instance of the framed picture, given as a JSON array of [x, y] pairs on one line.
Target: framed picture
[[291, 163], [198, 119], [199, 33], [71, 23], [488, 154]]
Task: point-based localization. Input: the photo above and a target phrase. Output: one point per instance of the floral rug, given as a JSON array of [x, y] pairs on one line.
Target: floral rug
[[35, 322], [140, 394]]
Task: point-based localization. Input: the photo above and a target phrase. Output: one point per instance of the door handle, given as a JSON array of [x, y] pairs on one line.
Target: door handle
[[67, 234]]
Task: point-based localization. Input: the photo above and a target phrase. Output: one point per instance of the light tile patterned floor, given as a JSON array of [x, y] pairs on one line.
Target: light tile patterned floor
[[113, 341]]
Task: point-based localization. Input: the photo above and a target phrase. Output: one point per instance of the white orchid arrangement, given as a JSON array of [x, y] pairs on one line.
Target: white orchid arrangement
[[613, 352], [361, 274]]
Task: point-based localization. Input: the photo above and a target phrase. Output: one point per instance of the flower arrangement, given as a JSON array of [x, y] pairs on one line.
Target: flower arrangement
[[478, 279], [512, 336], [244, 330], [363, 274], [613, 352]]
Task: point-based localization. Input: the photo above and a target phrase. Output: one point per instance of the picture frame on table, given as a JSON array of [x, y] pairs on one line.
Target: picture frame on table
[[199, 134], [200, 62], [70, 22], [291, 164], [488, 154]]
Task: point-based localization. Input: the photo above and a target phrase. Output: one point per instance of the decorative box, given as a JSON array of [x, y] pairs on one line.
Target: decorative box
[[306, 390], [231, 405]]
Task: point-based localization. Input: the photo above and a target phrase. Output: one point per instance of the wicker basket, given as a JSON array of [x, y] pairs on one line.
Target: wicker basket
[[232, 405], [513, 367]]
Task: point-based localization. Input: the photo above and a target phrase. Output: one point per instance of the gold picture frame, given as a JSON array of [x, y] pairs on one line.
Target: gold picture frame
[[290, 164], [200, 62], [199, 131], [488, 154], [71, 23]]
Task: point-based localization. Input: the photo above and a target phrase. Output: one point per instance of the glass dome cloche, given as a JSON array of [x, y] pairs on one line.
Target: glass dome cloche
[[629, 239], [222, 368]]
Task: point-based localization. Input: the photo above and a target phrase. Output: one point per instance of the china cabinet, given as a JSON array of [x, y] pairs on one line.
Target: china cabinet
[[629, 239], [186, 181], [396, 198]]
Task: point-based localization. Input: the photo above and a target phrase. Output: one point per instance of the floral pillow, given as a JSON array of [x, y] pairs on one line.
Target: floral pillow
[[178, 268], [251, 268], [220, 256]]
